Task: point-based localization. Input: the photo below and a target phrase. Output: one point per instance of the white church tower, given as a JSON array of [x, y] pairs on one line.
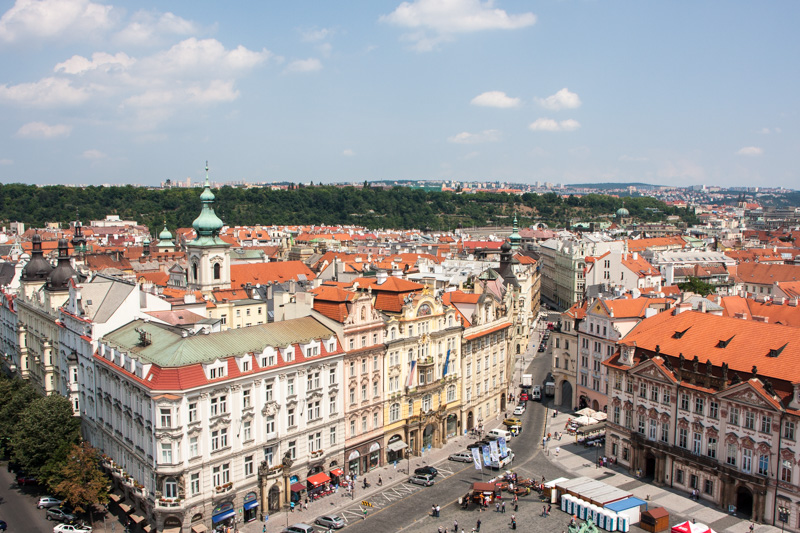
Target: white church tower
[[209, 256]]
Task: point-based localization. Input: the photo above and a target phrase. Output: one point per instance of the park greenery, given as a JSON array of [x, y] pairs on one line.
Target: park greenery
[[42, 437], [372, 207], [697, 286]]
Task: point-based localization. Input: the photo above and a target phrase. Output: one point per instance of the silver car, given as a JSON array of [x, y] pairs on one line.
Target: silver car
[[299, 528], [330, 521], [46, 502], [461, 457], [421, 479]]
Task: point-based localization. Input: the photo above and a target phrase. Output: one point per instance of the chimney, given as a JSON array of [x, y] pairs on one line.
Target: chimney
[[792, 302], [681, 307], [635, 256], [381, 277], [758, 318], [740, 315]]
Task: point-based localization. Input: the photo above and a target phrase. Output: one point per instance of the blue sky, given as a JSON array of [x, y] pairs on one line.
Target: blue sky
[[561, 91]]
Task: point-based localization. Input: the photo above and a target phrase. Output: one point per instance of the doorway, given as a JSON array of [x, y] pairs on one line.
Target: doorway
[[744, 502]]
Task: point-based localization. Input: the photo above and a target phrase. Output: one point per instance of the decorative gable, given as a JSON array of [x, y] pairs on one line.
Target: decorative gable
[[745, 393]]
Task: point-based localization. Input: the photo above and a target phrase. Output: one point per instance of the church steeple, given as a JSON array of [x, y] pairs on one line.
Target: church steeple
[[515, 237], [208, 224]]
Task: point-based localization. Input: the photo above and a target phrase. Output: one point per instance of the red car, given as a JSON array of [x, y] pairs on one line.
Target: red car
[[523, 397], [26, 480]]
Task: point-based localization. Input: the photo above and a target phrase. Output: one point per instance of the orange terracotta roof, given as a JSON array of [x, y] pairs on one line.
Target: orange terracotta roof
[[230, 295], [488, 331], [273, 272], [156, 278], [639, 245], [766, 273], [392, 284], [773, 349], [747, 308]]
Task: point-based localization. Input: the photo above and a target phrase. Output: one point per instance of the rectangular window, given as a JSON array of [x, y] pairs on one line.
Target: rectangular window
[[315, 442], [643, 390], [270, 426], [699, 406], [788, 430], [666, 397], [683, 438], [364, 424], [245, 399], [313, 410], [653, 429], [194, 484], [713, 409], [685, 402], [747, 460], [166, 453], [628, 419], [215, 440], [786, 471], [708, 487], [247, 428], [166, 418], [290, 387], [763, 464], [226, 473], [766, 424], [352, 428], [332, 405], [693, 481], [291, 449], [332, 437], [641, 424], [697, 443], [664, 431], [654, 394], [679, 476], [711, 451], [733, 416], [248, 466], [193, 412], [332, 377], [194, 447], [730, 456], [615, 417], [749, 420], [269, 454], [268, 392], [290, 417]]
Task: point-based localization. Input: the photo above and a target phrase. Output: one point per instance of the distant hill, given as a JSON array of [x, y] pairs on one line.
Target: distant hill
[[612, 185]]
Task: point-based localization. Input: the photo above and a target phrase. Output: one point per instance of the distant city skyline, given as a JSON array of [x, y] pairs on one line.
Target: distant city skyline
[[565, 92]]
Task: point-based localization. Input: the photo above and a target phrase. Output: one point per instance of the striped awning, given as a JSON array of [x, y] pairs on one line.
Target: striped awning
[[126, 507], [199, 528], [136, 518], [114, 497]]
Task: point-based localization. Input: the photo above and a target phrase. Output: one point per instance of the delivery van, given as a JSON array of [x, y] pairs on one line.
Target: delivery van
[[500, 433]]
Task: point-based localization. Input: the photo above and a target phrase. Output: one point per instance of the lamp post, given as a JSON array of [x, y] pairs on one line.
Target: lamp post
[[783, 515], [408, 461]]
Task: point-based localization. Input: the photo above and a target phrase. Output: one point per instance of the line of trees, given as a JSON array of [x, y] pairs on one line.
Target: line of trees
[[372, 207], [41, 435]]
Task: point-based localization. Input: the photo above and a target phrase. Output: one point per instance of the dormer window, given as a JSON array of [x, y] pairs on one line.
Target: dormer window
[[216, 372], [288, 354]]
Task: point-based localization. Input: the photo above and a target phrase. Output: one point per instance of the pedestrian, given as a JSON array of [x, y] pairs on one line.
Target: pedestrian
[[455, 526], [380, 481], [438, 511], [751, 527], [496, 507], [478, 525], [516, 507], [264, 529], [440, 529], [433, 510], [503, 507], [291, 506], [364, 515], [544, 510], [558, 449], [549, 506]]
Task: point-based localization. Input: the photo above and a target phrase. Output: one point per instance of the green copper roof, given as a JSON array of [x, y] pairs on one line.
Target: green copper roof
[[515, 237], [169, 348], [208, 224], [165, 234]]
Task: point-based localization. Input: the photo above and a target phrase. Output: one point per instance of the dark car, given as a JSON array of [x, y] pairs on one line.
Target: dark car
[[426, 470], [59, 514], [24, 479], [478, 444], [542, 347], [3, 525]]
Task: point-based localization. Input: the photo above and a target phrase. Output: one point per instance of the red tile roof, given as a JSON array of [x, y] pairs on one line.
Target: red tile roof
[[273, 272], [766, 273]]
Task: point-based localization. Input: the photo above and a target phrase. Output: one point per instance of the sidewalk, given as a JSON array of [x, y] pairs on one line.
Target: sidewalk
[[581, 461]]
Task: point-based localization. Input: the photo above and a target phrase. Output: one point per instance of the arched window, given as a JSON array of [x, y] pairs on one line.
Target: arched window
[[426, 403], [363, 314], [217, 271], [170, 488], [394, 412], [194, 271]]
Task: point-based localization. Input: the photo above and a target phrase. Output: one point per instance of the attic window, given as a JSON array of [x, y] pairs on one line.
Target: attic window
[[88, 302], [776, 352], [679, 334], [725, 343]]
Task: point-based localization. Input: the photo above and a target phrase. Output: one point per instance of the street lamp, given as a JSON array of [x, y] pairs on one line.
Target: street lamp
[[783, 515], [408, 461]]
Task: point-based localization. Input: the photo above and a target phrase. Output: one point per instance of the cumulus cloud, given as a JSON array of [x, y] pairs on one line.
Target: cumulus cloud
[[47, 92], [563, 99], [466, 137], [93, 155], [52, 19], [315, 34], [147, 28], [495, 99], [348, 153], [311, 64], [548, 124], [100, 60], [434, 21], [751, 151], [201, 56], [40, 130], [632, 158]]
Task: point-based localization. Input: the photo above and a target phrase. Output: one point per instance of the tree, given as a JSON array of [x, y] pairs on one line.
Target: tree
[[15, 396], [697, 286], [79, 481], [44, 434]]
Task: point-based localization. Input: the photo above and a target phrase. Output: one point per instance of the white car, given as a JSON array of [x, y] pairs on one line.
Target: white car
[[461, 457], [518, 410], [69, 528]]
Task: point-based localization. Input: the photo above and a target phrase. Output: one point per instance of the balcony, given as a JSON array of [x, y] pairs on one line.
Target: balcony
[[169, 503], [222, 489], [425, 362]]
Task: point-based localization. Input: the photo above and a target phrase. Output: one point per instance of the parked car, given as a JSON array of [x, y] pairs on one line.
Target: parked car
[[523, 397], [3, 525], [512, 422], [542, 347], [298, 528], [330, 520], [461, 457], [69, 528], [478, 444], [47, 501], [520, 409], [59, 515], [427, 470], [421, 479], [24, 479]]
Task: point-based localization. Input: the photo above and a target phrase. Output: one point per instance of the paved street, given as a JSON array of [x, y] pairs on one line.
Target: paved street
[[18, 506]]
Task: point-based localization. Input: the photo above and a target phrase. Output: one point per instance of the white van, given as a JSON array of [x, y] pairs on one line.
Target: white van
[[536, 393], [497, 433]]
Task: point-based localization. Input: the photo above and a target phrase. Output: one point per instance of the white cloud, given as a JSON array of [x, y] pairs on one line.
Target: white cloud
[[495, 99], [93, 154], [100, 60], [5, 162], [50, 19], [348, 152], [316, 34], [214, 91], [466, 137], [435, 21], [201, 56], [325, 49], [563, 99], [40, 130], [311, 64], [751, 151], [548, 124], [147, 28], [632, 158], [764, 131], [47, 92]]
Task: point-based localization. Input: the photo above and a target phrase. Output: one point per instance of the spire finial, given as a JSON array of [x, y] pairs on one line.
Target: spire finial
[[208, 183]]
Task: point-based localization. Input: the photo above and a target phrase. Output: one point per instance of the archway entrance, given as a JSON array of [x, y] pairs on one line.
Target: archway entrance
[[427, 436], [650, 466], [274, 498], [566, 394], [502, 402], [470, 423], [744, 502], [583, 401], [595, 405], [519, 349]]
